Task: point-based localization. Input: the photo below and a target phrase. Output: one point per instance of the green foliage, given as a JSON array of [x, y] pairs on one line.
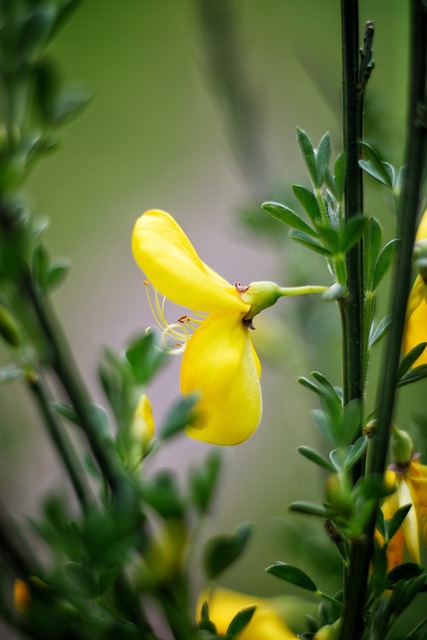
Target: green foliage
[[223, 550]]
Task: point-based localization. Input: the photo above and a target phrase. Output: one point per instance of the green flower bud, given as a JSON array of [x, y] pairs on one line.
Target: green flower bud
[[420, 258], [402, 447], [259, 295]]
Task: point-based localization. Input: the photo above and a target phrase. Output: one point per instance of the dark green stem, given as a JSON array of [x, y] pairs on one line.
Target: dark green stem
[[352, 628], [66, 370], [352, 305], [61, 441]]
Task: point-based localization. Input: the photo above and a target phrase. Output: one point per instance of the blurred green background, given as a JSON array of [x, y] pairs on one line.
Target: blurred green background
[[156, 134]]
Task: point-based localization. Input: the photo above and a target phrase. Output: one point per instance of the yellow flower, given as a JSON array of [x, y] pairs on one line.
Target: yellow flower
[[416, 314], [219, 363], [265, 624], [410, 480]]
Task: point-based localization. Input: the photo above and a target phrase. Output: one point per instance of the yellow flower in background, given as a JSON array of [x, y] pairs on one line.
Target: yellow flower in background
[[219, 362], [265, 624], [21, 596], [143, 421], [416, 314], [410, 480]]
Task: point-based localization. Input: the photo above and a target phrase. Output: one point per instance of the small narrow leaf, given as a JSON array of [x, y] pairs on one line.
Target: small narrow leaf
[[325, 425], [397, 520], [316, 457], [413, 375], [351, 421], [180, 416], [339, 174], [222, 550], [289, 217], [409, 359], [240, 621], [308, 201], [145, 357], [353, 231], [9, 373], [310, 508], [355, 452], [307, 152], [384, 262], [378, 331], [294, 575], [329, 238], [57, 272], [372, 164], [309, 242], [323, 156], [66, 412]]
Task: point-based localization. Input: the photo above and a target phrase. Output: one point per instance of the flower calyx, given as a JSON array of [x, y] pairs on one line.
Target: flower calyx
[[420, 258], [260, 296]]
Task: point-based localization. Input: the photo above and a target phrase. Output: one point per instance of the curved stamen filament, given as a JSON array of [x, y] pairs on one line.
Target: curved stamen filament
[[177, 332]]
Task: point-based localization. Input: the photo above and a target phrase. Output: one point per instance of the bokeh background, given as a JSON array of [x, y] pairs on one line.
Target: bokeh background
[[160, 132]]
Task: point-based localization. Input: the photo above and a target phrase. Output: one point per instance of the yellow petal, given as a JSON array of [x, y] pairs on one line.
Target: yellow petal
[[264, 625], [220, 364], [171, 264], [410, 524], [416, 320], [422, 228]]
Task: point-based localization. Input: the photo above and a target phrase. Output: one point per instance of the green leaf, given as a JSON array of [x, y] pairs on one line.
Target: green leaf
[[240, 621], [413, 375], [203, 481], [353, 231], [66, 412], [404, 571], [373, 165], [310, 508], [289, 217], [180, 416], [308, 155], [339, 175], [162, 494], [57, 272], [384, 262], [107, 579], [397, 520], [82, 578], [145, 357], [355, 452], [294, 575], [326, 426], [309, 242], [204, 622], [323, 156], [222, 550], [316, 457], [378, 331], [40, 266], [329, 238], [69, 106], [308, 202], [409, 359], [351, 421]]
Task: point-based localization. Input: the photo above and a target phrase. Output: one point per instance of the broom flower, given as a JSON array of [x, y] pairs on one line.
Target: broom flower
[[219, 361], [416, 315]]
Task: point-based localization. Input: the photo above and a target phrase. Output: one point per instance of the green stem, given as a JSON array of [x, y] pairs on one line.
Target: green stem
[[66, 370], [352, 628], [352, 306], [299, 291], [61, 442]]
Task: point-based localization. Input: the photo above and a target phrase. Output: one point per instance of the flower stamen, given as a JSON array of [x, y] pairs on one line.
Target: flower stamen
[[178, 332]]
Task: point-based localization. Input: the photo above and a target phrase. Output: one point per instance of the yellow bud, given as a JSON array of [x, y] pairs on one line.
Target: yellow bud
[[143, 422], [21, 596], [329, 631], [338, 491]]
